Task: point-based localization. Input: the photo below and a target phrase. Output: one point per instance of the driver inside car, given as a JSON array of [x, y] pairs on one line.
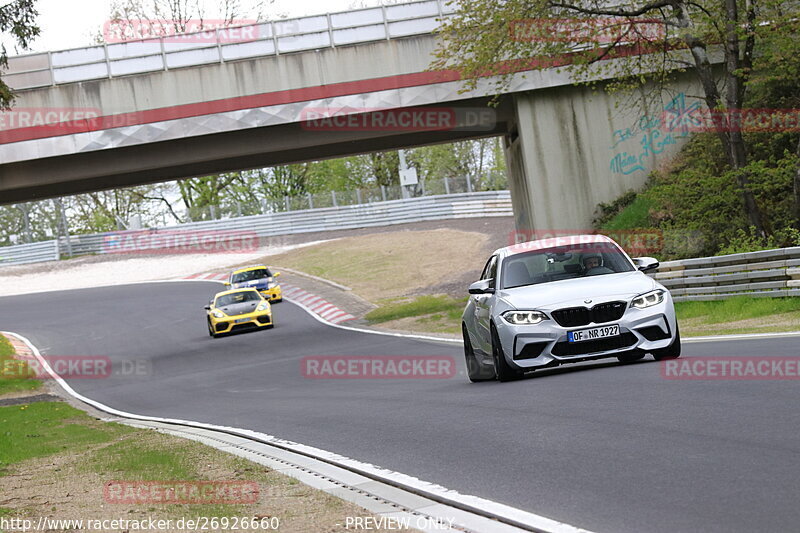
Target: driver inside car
[[593, 265]]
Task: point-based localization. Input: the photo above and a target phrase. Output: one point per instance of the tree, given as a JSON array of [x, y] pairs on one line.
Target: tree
[[178, 13], [19, 19], [637, 43]]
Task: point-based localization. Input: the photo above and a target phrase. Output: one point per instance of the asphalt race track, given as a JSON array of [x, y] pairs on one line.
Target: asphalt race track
[[608, 447]]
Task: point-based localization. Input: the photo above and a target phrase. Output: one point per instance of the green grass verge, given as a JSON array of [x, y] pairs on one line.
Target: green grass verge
[[419, 306], [10, 368], [738, 308], [47, 428], [153, 457], [636, 215], [52, 428]]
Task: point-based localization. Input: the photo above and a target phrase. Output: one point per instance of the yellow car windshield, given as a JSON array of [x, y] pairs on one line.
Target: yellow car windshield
[[236, 298]]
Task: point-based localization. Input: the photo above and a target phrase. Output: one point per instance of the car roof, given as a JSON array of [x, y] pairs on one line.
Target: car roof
[[553, 242], [245, 269]]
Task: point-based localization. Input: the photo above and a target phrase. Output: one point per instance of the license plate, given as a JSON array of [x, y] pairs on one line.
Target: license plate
[[593, 333], [242, 320]]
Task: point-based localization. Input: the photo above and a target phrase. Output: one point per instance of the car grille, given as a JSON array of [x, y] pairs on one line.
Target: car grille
[[581, 316], [243, 327], [263, 319], [565, 348], [222, 326]]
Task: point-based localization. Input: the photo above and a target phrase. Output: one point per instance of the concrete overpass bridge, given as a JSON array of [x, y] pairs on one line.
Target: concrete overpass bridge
[[139, 112]]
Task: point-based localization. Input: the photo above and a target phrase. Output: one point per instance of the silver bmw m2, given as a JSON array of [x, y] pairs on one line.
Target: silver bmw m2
[[563, 300]]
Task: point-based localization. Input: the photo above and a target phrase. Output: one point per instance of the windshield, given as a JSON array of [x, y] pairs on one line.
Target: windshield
[[237, 298], [251, 275], [564, 262]]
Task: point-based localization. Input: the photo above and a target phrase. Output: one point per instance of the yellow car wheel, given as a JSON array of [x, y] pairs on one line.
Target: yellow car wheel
[[211, 329]]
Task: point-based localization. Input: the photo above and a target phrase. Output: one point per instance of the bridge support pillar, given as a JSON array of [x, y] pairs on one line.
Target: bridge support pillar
[[571, 148]]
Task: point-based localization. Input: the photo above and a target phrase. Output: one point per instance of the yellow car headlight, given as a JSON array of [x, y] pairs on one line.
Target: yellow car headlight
[[218, 314], [263, 306]]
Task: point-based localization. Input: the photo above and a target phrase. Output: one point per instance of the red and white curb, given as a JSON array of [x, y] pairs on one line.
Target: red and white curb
[[211, 276], [320, 307], [324, 309]]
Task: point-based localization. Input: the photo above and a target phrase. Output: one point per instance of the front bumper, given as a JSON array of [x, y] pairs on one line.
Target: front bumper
[[273, 295], [528, 347], [229, 324]]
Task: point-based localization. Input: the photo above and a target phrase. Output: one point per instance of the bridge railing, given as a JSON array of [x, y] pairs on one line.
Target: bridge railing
[[276, 37]]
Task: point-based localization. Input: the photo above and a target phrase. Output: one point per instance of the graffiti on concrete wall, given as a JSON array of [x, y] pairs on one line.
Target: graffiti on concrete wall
[[651, 135]]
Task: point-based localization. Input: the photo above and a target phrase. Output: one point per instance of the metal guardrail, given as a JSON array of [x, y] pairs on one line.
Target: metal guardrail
[[264, 39], [29, 253], [767, 273], [466, 205]]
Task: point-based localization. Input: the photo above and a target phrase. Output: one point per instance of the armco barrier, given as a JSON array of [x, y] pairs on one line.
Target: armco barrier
[[29, 253], [426, 208], [767, 273]]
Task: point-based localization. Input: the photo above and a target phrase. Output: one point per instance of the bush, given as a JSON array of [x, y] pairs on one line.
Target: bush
[[698, 206], [748, 241], [605, 212]]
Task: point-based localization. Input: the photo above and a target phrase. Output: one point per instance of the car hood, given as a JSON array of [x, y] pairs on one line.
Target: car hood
[[239, 309], [574, 292]]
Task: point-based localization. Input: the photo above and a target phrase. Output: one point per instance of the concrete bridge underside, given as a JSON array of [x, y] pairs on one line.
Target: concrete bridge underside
[[208, 154]]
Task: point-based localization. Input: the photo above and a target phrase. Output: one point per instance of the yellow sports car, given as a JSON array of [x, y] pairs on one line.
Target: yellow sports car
[[257, 277], [237, 310]]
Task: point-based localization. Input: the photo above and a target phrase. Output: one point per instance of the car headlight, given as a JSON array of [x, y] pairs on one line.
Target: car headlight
[[271, 285], [524, 317], [218, 314], [648, 299], [262, 306]]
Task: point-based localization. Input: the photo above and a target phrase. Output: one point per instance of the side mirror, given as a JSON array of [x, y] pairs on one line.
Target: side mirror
[[646, 263], [481, 287], [227, 283], [276, 274], [207, 308]]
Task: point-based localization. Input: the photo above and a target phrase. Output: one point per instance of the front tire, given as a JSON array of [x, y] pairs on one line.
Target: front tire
[[475, 371], [673, 351], [502, 369], [211, 330]]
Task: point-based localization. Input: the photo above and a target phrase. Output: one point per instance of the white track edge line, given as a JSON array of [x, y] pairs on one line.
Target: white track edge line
[[391, 477]]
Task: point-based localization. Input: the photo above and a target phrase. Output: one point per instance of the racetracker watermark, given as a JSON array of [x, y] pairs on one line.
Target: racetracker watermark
[[732, 368], [636, 242], [55, 118], [181, 242], [191, 31], [401, 119], [74, 367], [378, 367], [702, 119], [600, 30], [181, 492]]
